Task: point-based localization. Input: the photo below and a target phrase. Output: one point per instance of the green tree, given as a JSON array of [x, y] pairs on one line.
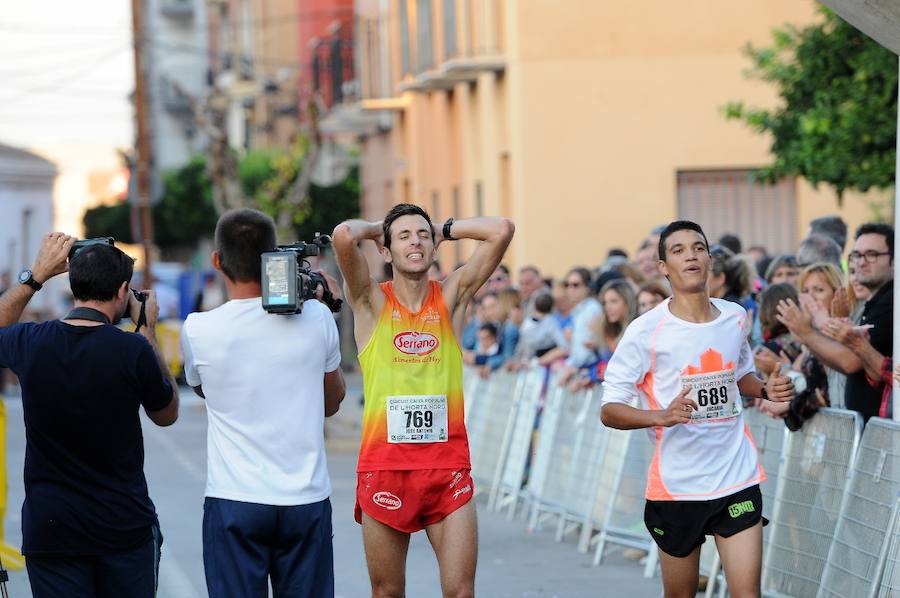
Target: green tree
[[185, 211], [836, 119]]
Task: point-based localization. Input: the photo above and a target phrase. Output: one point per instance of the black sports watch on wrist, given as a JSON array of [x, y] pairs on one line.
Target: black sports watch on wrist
[[27, 277], [445, 232], [764, 394]]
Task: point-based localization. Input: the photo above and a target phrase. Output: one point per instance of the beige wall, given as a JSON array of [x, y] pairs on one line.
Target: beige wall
[[599, 107]]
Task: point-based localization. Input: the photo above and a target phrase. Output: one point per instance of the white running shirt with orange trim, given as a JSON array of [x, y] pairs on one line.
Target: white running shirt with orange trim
[[713, 455]]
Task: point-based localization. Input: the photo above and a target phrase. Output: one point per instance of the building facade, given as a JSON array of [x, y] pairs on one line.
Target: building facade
[[176, 62], [587, 122], [26, 215]]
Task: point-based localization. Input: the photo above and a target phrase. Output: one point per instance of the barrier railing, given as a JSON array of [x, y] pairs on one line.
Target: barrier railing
[[886, 583], [515, 450], [812, 481], [868, 509], [769, 436], [832, 493], [489, 410], [551, 473], [589, 444], [624, 520]]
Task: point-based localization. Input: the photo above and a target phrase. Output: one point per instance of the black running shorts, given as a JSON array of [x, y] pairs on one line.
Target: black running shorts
[[680, 526]]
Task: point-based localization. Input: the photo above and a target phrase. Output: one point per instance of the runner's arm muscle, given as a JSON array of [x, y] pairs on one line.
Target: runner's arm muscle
[[347, 236], [626, 417], [494, 235]]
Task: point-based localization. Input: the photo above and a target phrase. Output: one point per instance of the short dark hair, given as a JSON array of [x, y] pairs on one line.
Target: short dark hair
[[583, 273], [97, 271], [403, 209], [832, 226], [488, 327], [616, 251], [874, 228], [543, 303], [242, 236], [674, 227], [732, 242]]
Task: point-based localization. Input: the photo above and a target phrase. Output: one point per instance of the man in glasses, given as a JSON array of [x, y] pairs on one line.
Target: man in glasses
[[873, 258], [873, 265]]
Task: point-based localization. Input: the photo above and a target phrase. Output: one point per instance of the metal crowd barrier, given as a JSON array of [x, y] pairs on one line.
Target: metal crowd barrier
[[832, 493], [623, 523], [515, 450], [551, 474], [769, 435], [588, 446], [887, 583], [812, 480], [489, 410], [860, 544]]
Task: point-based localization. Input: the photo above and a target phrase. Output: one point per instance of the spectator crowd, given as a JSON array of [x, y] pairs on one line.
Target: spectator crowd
[[822, 316]]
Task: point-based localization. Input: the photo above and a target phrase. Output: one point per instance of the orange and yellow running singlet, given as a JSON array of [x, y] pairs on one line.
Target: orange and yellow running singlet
[[412, 379]]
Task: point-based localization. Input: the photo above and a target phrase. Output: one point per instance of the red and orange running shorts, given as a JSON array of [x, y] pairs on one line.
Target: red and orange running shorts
[[410, 500]]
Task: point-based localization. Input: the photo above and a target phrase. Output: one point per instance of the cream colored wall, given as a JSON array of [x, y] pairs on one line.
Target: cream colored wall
[[605, 109], [600, 106]]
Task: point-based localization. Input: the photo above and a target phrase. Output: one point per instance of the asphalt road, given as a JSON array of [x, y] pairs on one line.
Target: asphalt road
[[512, 563]]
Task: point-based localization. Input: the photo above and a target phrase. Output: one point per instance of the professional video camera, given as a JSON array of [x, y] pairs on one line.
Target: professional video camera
[[287, 280]]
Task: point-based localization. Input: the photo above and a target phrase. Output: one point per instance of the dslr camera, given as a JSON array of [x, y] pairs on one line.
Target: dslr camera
[[82, 243], [287, 280]]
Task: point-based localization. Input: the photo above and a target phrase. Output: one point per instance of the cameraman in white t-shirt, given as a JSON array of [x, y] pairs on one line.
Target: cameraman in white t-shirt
[[269, 382]]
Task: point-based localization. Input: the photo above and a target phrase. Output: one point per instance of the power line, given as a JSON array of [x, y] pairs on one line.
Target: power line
[[30, 72], [70, 77], [53, 49], [80, 94]]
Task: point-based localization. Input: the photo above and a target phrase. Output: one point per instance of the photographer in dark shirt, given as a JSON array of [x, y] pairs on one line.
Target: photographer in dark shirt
[[89, 527]]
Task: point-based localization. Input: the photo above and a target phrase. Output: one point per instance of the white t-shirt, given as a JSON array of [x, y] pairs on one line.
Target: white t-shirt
[[263, 377], [659, 354], [582, 316]]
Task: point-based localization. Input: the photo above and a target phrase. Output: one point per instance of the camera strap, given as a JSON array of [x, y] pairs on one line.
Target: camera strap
[[87, 313], [142, 318]]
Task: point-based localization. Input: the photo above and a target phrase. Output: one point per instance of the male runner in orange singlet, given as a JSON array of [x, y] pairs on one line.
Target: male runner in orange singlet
[[414, 469]]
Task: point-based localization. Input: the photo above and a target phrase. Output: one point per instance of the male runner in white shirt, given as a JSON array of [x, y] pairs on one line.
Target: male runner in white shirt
[[688, 363]]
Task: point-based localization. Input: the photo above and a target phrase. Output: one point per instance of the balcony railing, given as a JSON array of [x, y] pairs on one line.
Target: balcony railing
[[333, 74]]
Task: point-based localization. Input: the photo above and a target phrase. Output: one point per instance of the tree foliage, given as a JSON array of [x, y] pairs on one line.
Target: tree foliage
[[836, 122], [185, 212]]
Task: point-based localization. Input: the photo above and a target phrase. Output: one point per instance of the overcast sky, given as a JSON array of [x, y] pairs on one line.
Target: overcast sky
[[66, 70]]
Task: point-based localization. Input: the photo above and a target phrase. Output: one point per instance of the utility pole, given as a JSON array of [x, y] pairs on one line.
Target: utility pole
[[143, 157]]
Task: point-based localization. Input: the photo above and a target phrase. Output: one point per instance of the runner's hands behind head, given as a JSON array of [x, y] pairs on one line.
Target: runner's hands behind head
[[53, 256], [679, 410], [151, 308]]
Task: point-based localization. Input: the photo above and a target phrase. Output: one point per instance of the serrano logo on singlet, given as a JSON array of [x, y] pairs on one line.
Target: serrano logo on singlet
[[387, 500], [416, 343]]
